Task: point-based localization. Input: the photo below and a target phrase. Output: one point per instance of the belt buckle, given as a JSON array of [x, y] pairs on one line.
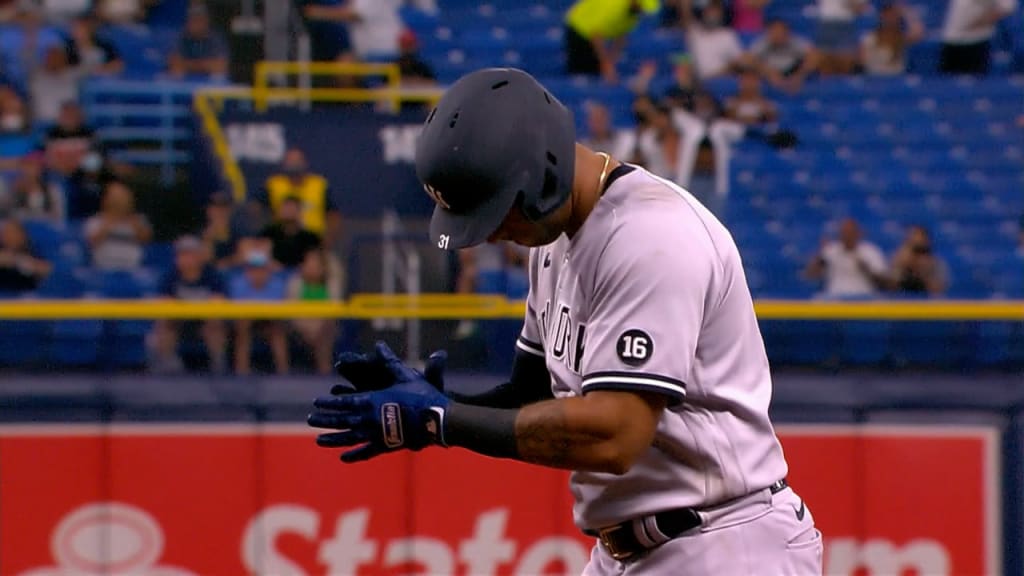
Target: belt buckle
[[604, 535]]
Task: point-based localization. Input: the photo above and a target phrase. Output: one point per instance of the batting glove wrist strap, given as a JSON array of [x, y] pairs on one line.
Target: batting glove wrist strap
[[489, 431]]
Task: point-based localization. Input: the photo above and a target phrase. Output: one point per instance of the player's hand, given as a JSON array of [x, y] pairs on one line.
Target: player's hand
[[407, 415], [369, 372]]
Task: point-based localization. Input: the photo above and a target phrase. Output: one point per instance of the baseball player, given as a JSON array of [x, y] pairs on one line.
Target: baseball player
[[639, 367]]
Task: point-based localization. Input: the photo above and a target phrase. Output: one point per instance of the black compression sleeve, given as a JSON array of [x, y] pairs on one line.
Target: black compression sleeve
[[488, 431], [530, 382]]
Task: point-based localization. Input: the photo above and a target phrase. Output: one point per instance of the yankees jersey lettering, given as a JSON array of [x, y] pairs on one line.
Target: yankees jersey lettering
[[650, 295]]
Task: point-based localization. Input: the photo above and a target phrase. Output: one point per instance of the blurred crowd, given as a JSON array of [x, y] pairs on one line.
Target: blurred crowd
[[284, 242]]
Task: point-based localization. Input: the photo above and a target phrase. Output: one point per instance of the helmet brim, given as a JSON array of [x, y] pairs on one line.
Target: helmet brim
[[453, 231]]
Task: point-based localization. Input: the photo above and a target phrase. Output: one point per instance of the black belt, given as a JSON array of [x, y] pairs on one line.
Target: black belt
[[634, 537]]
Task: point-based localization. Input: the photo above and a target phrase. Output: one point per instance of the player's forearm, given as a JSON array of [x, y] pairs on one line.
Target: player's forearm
[[566, 433]]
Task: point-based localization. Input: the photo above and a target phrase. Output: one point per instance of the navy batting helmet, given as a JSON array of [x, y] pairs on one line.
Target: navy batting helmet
[[495, 140]]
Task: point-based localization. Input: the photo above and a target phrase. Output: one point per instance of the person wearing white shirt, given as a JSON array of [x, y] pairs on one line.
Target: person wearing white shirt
[[716, 48], [967, 34], [883, 51], [374, 25], [849, 266]]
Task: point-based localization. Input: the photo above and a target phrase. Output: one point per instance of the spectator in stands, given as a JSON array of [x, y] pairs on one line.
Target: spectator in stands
[[247, 224], [414, 69], [329, 39], [373, 25], [603, 137], [191, 279], [596, 32], [93, 53], [13, 112], [837, 34], [122, 12], [883, 51], [685, 86], [201, 51], [289, 240], [319, 213], [53, 84], [117, 234], [493, 268], [659, 143], [850, 266], [318, 279], [702, 123], [219, 235], [258, 282], [36, 195], [716, 48], [70, 144], [21, 270], [916, 269], [967, 34], [86, 185], [748, 16], [749, 106], [784, 59], [699, 119]]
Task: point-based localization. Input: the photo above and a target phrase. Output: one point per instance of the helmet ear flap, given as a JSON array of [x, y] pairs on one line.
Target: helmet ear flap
[[550, 197]]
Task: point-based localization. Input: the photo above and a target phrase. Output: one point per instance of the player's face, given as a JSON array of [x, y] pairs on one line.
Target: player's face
[[517, 229]]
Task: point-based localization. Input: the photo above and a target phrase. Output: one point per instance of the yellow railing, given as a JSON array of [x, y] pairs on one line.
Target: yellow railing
[[208, 101], [203, 106], [451, 306]]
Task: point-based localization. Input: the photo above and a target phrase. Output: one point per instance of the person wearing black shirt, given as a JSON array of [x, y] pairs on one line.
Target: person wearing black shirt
[[289, 240], [20, 270], [192, 279], [87, 49]]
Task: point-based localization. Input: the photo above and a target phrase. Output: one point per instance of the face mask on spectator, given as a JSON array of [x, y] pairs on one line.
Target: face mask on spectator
[[92, 162]]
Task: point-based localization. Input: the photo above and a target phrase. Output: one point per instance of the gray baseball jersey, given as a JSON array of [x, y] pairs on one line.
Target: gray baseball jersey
[[650, 295]]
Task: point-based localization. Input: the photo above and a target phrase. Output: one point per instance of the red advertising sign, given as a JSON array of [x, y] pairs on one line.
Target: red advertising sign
[[236, 499]]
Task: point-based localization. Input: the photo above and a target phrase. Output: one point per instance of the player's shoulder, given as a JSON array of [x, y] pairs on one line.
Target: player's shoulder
[[658, 225], [646, 209]]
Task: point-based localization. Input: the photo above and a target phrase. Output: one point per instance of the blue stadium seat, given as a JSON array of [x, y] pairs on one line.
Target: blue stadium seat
[[120, 285]]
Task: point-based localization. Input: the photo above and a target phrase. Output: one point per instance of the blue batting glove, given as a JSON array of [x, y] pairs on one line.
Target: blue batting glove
[[407, 415], [369, 372]]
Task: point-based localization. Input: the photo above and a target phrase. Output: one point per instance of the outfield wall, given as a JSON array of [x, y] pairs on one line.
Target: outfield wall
[[207, 476]]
